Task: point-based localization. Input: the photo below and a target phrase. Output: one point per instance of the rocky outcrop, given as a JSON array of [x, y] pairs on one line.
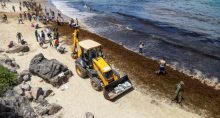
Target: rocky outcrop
[[8, 63], [14, 105], [51, 71], [18, 48]]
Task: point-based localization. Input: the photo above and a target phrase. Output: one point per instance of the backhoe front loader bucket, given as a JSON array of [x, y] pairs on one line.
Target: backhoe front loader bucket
[[117, 88]]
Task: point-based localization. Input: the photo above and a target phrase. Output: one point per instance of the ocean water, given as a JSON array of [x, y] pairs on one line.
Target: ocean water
[[185, 32]]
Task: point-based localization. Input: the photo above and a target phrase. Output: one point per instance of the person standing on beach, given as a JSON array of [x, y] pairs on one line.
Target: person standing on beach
[[36, 34], [141, 46], [19, 35], [48, 31], [20, 8], [162, 66], [25, 16], [20, 20], [56, 34], [77, 22], [13, 8], [178, 93], [42, 38], [29, 17]]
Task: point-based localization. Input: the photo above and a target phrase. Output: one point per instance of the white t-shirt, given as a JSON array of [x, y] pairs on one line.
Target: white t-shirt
[[141, 45], [162, 63]]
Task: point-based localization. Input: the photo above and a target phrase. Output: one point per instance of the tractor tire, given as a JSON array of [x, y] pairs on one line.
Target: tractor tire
[[105, 94], [80, 71], [96, 84]]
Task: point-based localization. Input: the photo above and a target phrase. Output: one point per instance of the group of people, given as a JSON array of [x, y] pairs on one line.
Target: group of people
[[73, 24], [162, 65]]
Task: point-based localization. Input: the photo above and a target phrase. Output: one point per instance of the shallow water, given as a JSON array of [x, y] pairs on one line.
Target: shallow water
[[186, 32]]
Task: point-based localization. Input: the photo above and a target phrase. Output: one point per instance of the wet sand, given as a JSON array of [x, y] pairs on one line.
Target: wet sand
[[198, 97]]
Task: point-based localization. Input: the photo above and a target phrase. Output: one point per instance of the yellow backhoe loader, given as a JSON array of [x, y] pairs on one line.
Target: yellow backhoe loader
[[90, 62]]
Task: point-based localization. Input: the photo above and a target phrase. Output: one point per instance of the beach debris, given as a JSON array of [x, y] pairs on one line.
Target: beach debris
[[8, 63], [18, 48], [51, 71], [64, 87], [89, 115]]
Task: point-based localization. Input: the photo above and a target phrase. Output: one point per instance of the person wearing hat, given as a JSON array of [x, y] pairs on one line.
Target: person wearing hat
[[178, 93]]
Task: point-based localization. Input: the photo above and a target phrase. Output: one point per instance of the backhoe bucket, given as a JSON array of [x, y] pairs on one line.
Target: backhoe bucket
[[117, 88]]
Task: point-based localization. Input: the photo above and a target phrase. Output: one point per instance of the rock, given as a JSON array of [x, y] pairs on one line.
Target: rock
[[36, 92], [8, 115], [41, 99], [89, 115], [48, 69], [47, 93], [12, 105], [41, 110], [18, 48], [2, 50], [24, 76], [8, 63], [25, 86], [53, 108], [19, 90], [26, 111], [28, 95]]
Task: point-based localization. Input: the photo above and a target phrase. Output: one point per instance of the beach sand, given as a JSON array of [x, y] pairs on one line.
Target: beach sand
[[80, 98]]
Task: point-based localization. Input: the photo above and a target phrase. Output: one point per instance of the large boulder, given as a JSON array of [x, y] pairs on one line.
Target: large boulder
[[49, 70]]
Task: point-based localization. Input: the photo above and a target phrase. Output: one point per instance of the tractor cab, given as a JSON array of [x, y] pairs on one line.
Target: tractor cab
[[90, 50]]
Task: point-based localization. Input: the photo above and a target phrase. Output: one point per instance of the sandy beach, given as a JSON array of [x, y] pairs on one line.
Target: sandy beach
[[152, 93]]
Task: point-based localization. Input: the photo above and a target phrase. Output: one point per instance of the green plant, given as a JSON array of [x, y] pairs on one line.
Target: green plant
[[7, 79]]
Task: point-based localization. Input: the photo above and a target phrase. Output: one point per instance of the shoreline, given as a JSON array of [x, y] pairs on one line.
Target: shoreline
[[210, 81], [152, 94], [155, 84]]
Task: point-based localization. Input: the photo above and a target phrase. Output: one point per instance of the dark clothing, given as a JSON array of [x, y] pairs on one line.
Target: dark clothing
[[36, 35], [141, 50], [19, 35], [178, 93]]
